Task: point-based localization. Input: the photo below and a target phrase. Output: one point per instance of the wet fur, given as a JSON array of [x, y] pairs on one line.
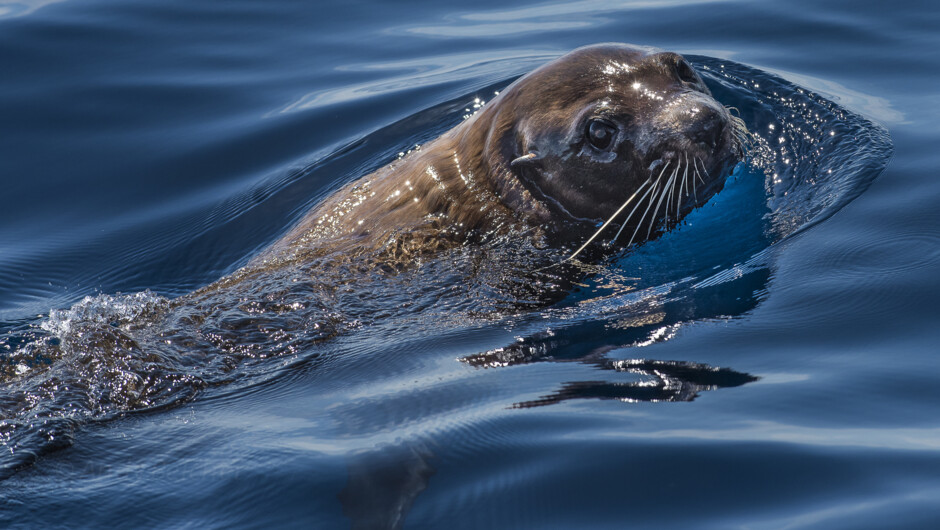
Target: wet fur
[[514, 167]]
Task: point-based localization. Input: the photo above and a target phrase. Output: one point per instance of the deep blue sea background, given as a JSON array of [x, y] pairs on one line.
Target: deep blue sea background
[[160, 145]]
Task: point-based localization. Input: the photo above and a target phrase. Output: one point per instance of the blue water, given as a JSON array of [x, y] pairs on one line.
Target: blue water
[[771, 363]]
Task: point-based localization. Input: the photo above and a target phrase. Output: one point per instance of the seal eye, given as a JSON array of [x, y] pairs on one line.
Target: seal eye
[[600, 133], [685, 72]]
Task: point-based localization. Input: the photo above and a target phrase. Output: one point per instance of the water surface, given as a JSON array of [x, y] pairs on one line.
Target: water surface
[[769, 364]]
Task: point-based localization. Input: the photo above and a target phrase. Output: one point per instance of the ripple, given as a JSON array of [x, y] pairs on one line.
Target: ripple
[[426, 72], [20, 8], [872, 259], [547, 17]]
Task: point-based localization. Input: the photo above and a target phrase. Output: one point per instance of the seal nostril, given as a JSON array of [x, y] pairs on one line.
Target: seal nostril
[[706, 127], [685, 72]]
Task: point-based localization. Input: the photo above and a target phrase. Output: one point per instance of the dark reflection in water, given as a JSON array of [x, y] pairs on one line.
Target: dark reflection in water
[[663, 381], [383, 484], [647, 321]]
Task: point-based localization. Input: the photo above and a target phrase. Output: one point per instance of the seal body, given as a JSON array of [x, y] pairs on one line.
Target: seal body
[[556, 153], [608, 144]]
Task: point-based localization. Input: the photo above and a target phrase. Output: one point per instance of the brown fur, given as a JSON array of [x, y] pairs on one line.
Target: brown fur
[[461, 187]]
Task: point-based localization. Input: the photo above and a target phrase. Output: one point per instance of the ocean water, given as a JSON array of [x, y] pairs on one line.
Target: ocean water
[[770, 363]]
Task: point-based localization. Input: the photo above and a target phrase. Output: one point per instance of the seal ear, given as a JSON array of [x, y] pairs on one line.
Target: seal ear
[[530, 159]]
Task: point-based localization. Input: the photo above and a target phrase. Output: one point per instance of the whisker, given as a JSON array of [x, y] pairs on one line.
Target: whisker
[[640, 224], [685, 181], [651, 193], [743, 137], [669, 197], [661, 197], [703, 170], [615, 214], [685, 174], [739, 128], [673, 191], [698, 174], [627, 220], [650, 190]]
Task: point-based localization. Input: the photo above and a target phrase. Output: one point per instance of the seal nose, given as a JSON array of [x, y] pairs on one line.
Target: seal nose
[[705, 126]]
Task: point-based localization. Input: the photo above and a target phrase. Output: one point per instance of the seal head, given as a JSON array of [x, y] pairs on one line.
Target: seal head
[[588, 131], [607, 135]]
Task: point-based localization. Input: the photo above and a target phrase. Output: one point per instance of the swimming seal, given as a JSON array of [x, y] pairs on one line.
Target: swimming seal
[[609, 134], [608, 145]]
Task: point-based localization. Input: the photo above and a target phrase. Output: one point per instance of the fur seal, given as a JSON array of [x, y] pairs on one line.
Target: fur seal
[[609, 137], [607, 134]]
